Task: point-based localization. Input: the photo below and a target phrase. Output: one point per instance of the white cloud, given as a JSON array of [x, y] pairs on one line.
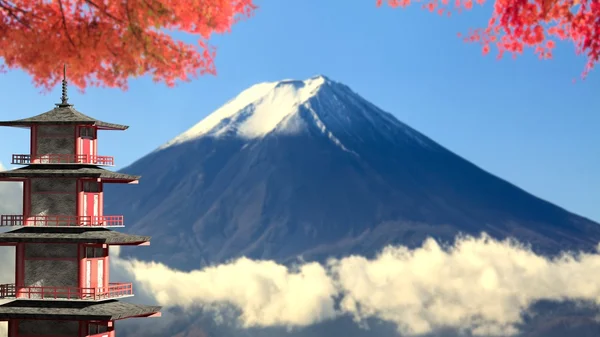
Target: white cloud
[[479, 284], [266, 293]]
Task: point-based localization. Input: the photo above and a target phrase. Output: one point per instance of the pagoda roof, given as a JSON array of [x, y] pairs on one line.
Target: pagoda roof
[[75, 310], [63, 114], [56, 171], [71, 235]]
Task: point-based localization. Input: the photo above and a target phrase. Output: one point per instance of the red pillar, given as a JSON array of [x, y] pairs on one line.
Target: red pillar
[[81, 257], [12, 327], [25, 210], [100, 198], [82, 329], [33, 149], [19, 268], [26, 200], [77, 198], [106, 269], [111, 329], [94, 143], [76, 143]]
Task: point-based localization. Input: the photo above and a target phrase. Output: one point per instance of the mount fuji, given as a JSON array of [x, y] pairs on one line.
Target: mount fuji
[[310, 168]]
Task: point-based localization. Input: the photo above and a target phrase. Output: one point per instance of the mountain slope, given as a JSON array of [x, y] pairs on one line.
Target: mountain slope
[[311, 168]]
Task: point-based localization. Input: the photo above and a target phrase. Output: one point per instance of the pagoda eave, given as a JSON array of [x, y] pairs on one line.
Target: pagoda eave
[[71, 235], [106, 126], [17, 126], [63, 114], [121, 181], [99, 125], [68, 171], [156, 314], [16, 180], [110, 310]]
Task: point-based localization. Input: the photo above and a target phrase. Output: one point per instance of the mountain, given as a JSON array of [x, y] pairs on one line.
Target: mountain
[[310, 168]]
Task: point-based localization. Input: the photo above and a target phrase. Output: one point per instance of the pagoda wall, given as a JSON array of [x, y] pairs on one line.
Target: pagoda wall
[[51, 196], [27, 327], [51, 265], [55, 139]]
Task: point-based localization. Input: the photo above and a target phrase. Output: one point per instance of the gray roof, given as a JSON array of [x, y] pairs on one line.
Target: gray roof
[[55, 171], [63, 114], [74, 310], [70, 235]]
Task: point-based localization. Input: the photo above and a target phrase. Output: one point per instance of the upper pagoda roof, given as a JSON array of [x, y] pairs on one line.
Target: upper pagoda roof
[[66, 171], [71, 235], [110, 310], [63, 114]]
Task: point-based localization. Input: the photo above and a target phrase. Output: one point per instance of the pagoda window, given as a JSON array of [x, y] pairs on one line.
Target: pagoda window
[[94, 328], [87, 132], [91, 186], [94, 252]]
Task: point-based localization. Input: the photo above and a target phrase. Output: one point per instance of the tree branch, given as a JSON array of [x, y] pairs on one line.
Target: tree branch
[[64, 23], [136, 33], [104, 11], [10, 10]]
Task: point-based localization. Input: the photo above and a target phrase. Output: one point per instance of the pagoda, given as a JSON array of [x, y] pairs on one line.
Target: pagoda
[[61, 286]]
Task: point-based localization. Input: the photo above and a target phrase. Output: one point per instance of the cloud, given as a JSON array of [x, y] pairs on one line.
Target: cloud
[[479, 285], [266, 293]]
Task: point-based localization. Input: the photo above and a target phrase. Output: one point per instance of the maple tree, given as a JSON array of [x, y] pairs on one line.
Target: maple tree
[[537, 24], [105, 42]]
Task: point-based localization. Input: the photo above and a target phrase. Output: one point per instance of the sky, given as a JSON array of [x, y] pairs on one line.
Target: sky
[[521, 119]]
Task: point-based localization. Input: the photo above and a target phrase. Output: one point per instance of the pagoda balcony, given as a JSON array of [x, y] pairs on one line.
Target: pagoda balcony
[[62, 221], [114, 290], [27, 159]]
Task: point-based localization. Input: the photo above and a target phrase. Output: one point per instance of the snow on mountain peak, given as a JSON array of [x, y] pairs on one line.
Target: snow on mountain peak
[[273, 107], [256, 111]]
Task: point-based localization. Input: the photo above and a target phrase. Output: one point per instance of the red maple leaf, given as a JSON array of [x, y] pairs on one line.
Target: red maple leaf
[[519, 24], [105, 42]]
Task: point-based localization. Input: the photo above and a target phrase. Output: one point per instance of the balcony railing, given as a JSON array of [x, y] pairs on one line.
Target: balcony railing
[[114, 290], [62, 220], [27, 159]]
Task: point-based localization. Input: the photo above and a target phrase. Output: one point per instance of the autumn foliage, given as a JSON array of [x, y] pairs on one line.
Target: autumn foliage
[[104, 42], [537, 24]]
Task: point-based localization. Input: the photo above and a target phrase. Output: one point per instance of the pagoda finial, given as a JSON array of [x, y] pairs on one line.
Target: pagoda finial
[[64, 98]]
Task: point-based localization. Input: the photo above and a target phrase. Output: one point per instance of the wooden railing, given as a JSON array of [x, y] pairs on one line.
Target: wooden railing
[[27, 159], [114, 290], [62, 220]]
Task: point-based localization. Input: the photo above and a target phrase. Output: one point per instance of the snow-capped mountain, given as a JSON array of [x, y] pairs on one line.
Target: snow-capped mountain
[[275, 108], [311, 168]]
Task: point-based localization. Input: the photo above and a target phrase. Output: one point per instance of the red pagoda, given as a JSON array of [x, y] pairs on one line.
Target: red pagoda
[[62, 286]]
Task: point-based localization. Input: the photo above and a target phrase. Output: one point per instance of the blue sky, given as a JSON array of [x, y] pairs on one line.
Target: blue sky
[[523, 120]]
